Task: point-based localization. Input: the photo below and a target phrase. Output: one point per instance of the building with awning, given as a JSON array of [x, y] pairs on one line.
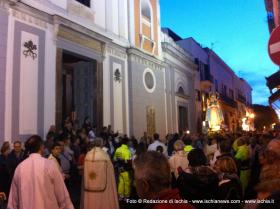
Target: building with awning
[[273, 83]]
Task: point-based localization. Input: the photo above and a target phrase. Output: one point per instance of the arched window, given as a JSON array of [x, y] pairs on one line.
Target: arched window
[[146, 10], [181, 90], [146, 26], [85, 2]]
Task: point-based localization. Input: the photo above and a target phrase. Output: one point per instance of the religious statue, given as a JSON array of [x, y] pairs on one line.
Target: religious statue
[[214, 115]]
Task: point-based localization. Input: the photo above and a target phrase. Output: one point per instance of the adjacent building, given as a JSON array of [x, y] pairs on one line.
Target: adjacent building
[[214, 75], [180, 78], [273, 81], [273, 13]]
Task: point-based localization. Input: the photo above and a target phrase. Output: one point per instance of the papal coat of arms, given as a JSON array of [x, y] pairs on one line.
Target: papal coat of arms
[[30, 49]]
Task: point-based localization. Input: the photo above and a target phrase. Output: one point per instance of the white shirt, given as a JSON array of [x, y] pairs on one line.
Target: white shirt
[[38, 184], [91, 136], [155, 144]]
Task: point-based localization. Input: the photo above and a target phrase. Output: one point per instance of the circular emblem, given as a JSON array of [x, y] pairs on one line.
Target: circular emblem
[[149, 80]]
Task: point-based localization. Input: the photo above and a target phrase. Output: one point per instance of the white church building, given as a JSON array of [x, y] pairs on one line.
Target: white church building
[[105, 59]]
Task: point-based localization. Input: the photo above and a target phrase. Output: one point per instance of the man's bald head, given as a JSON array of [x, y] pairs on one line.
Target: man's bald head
[[272, 153], [152, 174], [274, 145]]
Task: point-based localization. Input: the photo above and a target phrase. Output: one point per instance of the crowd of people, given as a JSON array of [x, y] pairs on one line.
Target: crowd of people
[[87, 169]]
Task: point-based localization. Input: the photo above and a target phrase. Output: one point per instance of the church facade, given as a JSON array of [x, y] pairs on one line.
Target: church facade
[[107, 60]]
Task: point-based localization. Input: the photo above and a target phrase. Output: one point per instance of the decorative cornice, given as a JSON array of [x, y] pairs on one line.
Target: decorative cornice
[[173, 65], [116, 52], [77, 9], [29, 18], [81, 29], [168, 48], [27, 14], [80, 39], [184, 96], [143, 59], [176, 50], [4, 4]]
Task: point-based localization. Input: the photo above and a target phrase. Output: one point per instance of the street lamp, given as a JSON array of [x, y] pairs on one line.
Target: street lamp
[[245, 126], [252, 115]]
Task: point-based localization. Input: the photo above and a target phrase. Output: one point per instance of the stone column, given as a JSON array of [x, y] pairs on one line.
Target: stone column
[[99, 95], [58, 99]]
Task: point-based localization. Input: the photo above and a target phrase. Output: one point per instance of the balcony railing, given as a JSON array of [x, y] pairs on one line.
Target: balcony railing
[[273, 81], [207, 77], [205, 74], [241, 98], [228, 100]]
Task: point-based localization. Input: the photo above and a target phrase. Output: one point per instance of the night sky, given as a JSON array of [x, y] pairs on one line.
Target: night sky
[[237, 30]]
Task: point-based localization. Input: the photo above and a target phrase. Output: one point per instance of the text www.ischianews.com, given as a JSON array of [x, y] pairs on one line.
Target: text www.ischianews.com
[[211, 201]]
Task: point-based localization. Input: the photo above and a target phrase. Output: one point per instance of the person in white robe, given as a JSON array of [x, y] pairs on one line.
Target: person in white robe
[[99, 186], [157, 142], [179, 158], [37, 182]]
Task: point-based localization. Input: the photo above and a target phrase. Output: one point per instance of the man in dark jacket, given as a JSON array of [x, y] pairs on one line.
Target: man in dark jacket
[[170, 146], [15, 157], [199, 181]]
